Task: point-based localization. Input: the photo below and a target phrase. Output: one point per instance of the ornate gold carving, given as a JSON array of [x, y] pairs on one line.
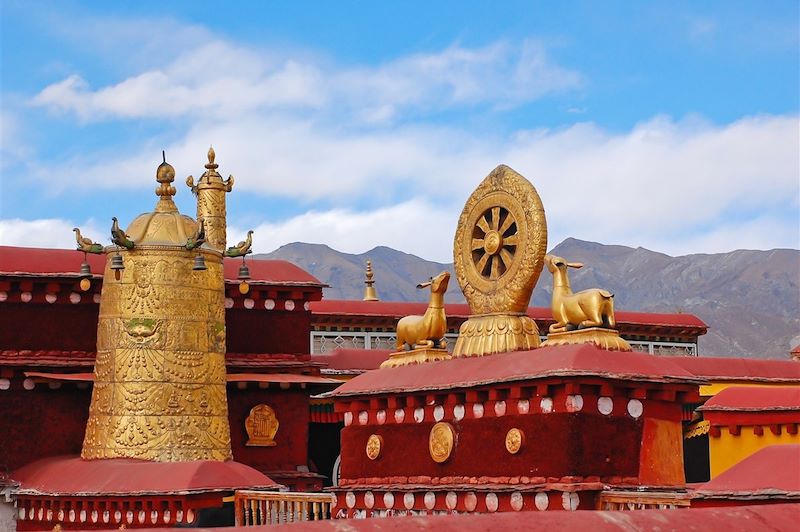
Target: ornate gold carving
[[608, 339], [374, 446], [499, 250], [210, 191], [441, 441], [424, 335], [370, 294], [159, 386], [261, 426], [515, 440]]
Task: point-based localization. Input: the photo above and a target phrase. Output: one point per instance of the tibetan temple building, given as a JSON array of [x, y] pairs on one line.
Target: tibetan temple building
[[167, 380]]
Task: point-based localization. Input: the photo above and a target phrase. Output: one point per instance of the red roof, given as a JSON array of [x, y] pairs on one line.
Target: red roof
[[569, 360], [122, 476], [773, 471], [717, 369], [66, 263], [353, 359], [740, 518], [396, 309], [755, 399]]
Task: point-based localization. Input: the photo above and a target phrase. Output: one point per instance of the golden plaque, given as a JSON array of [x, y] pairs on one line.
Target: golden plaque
[[374, 447], [499, 253], [441, 441], [261, 426], [515, 439]]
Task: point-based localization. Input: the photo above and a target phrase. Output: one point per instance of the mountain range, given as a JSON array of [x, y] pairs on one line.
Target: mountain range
[[749, 299]]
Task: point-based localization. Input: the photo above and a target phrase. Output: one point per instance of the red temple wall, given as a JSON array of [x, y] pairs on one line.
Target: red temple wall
[[41, 422], [292, 410], [274, 331], [49, 327]]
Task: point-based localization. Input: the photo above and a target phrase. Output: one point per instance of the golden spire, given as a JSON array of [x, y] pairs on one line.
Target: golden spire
[[165, 174], [210, 191], [370, 294]]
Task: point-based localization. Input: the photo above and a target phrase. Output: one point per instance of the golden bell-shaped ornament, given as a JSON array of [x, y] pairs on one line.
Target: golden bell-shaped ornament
[[199, 263]]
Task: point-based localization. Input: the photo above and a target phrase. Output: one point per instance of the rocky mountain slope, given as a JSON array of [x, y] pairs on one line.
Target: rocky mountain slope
[[749, 299]]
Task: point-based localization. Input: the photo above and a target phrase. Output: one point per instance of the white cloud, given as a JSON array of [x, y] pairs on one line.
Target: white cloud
[[224, 81], [47, 233]]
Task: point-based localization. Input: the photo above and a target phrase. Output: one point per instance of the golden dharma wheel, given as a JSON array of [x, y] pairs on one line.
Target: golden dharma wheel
[[374, 447], [441, 442], [500, 243]]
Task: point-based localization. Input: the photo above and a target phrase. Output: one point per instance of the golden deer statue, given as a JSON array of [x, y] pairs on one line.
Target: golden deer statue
[[589, 308], [426, 331]]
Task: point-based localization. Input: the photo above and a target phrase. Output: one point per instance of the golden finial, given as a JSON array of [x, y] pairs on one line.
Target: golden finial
[[212, 155], [370, 294], [165, 174]]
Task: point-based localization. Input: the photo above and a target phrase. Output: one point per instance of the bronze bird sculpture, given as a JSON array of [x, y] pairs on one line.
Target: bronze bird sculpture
[[119, 237], [197, 239], [242, 248], [86, 244]]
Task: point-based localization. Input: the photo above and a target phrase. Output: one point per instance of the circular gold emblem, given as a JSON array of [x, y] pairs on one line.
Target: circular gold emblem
[[374, 447], [440, 442], [515, 439], [500, 243]]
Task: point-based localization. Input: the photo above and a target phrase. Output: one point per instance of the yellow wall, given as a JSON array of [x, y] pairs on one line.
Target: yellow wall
[[715, 387], [727, 449]]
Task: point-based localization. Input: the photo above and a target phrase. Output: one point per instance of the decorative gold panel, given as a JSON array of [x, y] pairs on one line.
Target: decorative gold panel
[[515, 440], [374, 447], [441, 441], [261, 426], [499, 252]]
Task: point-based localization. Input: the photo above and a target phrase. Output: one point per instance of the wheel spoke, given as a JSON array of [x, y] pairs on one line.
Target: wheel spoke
[[512, 240], [483, 224], [507, 257], [495, 218], [506, 224], [495, 268], [482, 263], [477, 243]]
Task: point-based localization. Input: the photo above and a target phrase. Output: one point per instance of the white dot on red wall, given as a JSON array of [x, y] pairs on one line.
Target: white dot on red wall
[[363, 417], [430, 500], [635, 408], [289, 305], [458, 412], [605, 405], [249, 303], [438, 412], [50, 298], [350, 499], [470, 501], [306, 306], [269, 304], [380, 416], [516, 501], [451, 500], [491, 502], [369, 499], [542, 501], [419, 414], [388, 500], [96, 298], [74, 297], [574, 403], [523, 406], [408, 501], [477, 410], [570, 501], [546, 404], [399, 415], [348, 419], [28, 384], [500, 408], [5, 384], [3, 296], [228, 302], [26, 297]]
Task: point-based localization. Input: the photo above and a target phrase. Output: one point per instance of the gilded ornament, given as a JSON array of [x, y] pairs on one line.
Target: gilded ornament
[[261, 426], [423, 335], [86, 244], [159, 386], [515, 439], [499, 253], [210, 191], [374, 447], [441, 441], [583, 317]]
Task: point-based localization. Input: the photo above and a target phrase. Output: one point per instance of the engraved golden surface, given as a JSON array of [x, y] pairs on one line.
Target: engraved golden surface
[[210, 191], [608, 339], [261, 426], [515, 439], [159, 386], [374, 447], [424, 335], [441, 441], [499, 252]]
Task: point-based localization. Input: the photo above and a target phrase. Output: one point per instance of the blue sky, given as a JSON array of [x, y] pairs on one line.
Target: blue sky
[[672, 126]]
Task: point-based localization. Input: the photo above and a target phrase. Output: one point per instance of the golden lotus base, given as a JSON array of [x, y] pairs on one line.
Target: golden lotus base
[[496, 333], [603, 338], [415, 356]]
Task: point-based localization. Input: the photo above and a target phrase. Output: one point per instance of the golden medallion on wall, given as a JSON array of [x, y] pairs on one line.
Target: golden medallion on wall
[[515, 439], [441, 441], [374, 447], [261, 426]]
